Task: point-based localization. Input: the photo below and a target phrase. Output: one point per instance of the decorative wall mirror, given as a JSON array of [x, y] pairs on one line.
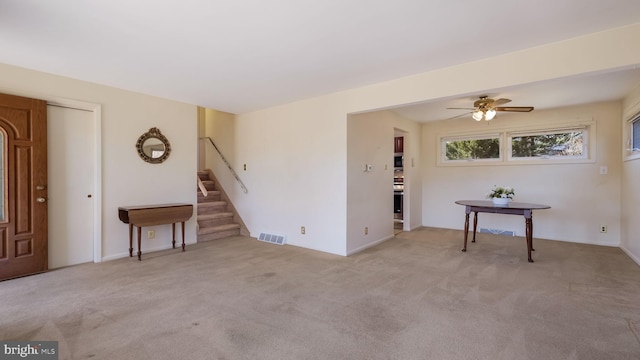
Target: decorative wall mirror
[[153, 147]]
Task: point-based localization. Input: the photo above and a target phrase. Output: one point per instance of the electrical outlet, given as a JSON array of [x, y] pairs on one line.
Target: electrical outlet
[[151, 234], [302, 230], [603, 228], [366, 231]]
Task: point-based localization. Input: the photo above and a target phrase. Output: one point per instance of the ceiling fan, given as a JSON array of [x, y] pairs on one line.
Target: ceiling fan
[[486, 108]]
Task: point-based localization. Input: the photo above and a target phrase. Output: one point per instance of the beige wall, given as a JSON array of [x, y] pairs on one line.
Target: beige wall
[[220, 127], [581, 199], [298, 153], [370, 193], [126, 179], [296, 162]]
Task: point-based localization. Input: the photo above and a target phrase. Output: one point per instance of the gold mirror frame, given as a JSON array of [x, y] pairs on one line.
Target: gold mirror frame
[[153, 134]]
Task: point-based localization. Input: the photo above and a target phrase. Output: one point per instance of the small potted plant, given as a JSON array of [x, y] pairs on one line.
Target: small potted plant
[[500, 195]]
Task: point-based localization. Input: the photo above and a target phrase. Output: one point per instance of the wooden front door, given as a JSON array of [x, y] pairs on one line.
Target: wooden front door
[[23, 191]]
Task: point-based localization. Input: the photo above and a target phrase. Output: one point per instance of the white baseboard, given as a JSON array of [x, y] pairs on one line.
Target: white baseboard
[[366, 246], [144, 251], [631, 255]]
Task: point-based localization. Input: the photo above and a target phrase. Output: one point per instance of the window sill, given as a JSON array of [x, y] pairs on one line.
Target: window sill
[[634, 156]]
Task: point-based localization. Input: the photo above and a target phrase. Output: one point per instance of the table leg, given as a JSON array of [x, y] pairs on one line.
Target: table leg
[[529, 234], [130, 240], [475, 225], [139, 242], [466, 230], [173, 232], [183, 236], [531, 231]]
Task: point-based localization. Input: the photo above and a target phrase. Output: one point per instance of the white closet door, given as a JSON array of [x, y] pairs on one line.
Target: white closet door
[[71, 152]]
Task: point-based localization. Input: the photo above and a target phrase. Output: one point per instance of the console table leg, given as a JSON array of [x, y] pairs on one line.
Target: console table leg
[[475, 225], [466, 231], [183, 236], [130, 240], [529, 231], [139, 243], [173, 232]]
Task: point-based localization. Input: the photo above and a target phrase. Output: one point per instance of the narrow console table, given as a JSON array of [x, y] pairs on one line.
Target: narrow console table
[[150, 215], [513, 208]]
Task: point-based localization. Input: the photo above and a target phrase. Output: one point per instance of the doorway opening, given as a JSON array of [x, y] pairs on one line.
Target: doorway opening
[[399, 183]]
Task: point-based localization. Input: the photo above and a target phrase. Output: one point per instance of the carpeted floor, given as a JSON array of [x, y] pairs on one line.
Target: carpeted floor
[[416, 296]]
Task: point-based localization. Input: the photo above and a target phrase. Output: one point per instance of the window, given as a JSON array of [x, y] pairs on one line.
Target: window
[[635, 134], [480, 147], [556, 144], [632, 138]]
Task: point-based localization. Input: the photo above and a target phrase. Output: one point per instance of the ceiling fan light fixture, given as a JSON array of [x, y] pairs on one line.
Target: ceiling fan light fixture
[[490, 114], [486, 109]]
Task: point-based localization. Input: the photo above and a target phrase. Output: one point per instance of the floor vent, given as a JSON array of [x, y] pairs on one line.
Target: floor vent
[[498, 232], [271, 238]]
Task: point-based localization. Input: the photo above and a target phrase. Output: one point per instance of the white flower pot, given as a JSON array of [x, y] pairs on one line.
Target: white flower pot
[[501, 201]]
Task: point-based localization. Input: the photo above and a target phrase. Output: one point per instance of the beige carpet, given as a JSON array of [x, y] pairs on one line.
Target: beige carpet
[[416, 296]]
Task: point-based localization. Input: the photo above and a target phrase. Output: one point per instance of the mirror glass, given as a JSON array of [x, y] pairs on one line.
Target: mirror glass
[[153, 147]]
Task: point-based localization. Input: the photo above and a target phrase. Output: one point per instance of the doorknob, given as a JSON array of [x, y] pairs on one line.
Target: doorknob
[[41, 199]]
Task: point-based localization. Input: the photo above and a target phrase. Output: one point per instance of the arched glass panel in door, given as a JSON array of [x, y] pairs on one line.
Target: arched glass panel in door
[[3, 178]]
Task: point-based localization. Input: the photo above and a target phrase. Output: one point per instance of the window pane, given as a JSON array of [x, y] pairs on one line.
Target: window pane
[[636, 135], [3, 161], [472, 149], [550, 144]]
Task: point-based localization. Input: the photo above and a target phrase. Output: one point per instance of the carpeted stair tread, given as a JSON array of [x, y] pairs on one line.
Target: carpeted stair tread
[[215, 215], [219, 228]]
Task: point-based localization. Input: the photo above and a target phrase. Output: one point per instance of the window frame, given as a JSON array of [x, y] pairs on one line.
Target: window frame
[[504, 134], [471, 136], [563, 158], [629, 152]]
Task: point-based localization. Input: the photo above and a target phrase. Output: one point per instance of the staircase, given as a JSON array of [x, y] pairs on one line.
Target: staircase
[[216, 218]]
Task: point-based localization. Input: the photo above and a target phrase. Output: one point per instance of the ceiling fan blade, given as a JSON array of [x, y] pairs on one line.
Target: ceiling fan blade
[[458, 116], [514, 108], [500, 102], [460, 108]]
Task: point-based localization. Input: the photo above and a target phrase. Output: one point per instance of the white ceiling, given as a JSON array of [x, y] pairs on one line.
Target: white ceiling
[[551, 94], [244, 55]]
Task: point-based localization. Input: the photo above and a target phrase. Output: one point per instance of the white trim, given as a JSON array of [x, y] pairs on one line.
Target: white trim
[[585, 129], [627, 151], [631, 255], [169, 246], [504, 133], [547, 131], [442, 148], [372, 244]]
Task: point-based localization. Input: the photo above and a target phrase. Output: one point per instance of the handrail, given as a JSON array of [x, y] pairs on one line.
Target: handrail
[[202, 188], [244, 188]]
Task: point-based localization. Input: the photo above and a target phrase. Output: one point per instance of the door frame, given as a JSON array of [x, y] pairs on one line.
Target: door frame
[[97, 167]]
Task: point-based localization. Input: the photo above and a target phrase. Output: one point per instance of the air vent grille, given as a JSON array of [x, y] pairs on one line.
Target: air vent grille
[[272, 238], [498, 231]]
